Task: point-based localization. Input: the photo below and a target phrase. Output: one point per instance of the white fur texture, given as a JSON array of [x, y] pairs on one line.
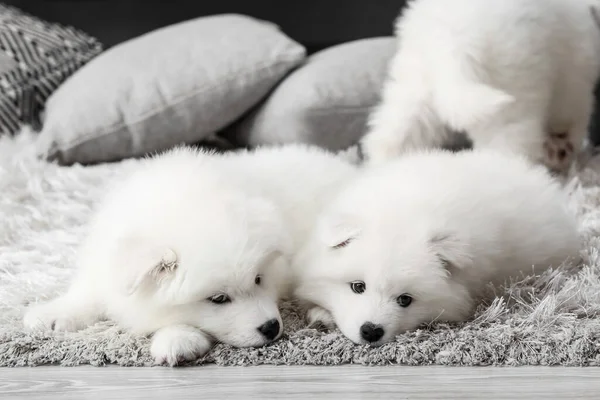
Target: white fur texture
[[515, 75], [186, 227], [437, 227]]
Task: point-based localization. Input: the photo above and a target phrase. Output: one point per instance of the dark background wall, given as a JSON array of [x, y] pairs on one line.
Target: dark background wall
[[314, 23]]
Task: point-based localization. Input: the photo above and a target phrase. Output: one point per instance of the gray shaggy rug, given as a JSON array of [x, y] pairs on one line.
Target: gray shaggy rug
[[542, 320]]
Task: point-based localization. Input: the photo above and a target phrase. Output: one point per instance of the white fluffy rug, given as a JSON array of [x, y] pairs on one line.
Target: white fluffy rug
[[550, 320]]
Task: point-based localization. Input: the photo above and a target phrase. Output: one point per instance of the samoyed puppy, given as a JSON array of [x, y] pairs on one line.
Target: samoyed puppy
[[194, 248], [425, 237], [515, 75]]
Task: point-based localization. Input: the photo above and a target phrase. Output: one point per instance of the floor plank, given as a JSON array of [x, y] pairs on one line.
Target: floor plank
[[347, 382]]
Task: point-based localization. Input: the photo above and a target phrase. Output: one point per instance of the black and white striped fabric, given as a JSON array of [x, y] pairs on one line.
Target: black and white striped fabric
[[35, 58]]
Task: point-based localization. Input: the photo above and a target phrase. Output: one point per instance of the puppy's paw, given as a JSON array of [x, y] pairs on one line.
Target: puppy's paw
[[46, 317], [174, 345], [320, 319], [559, 153]]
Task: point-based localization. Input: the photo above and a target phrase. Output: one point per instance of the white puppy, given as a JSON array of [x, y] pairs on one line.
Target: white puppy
[[195, 247], [515, 75], [420, 238]]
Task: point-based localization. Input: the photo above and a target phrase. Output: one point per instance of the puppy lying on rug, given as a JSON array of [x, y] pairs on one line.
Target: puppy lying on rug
[[194, 248], [515, 75], [421, 238]]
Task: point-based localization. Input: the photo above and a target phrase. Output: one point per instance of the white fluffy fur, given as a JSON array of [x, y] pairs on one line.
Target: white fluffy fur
[[186, 226], [437, 226], [515, 75]]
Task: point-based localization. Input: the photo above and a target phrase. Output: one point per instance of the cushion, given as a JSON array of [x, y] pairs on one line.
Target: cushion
[[324, 102], [35, 58], [178, 84]]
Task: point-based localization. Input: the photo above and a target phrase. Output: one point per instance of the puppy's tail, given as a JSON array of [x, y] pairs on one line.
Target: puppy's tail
[[464, 100]]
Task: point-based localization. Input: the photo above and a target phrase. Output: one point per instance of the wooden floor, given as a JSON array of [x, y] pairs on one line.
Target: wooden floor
[[345, 382]]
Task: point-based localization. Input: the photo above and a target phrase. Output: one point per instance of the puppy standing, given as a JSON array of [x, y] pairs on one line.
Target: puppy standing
[[194, 248], [515, 75], [419, 239]]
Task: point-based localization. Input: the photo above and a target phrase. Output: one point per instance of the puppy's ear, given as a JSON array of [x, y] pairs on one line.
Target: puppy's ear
[[143, 261], [451, 250], [338, 230]]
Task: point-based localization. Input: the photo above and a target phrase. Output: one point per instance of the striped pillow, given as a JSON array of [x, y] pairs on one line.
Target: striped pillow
[[35, 58]]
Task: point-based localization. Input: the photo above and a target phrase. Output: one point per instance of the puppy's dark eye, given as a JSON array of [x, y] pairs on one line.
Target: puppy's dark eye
[[358, 287], [257, 280], [404, 300], [219, 299]]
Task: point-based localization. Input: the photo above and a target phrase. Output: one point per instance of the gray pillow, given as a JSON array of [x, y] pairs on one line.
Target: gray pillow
[[178, 84], [324, 102]]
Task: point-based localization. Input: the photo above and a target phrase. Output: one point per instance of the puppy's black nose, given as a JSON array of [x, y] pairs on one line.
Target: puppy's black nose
[[270, 329], [371, 332]]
